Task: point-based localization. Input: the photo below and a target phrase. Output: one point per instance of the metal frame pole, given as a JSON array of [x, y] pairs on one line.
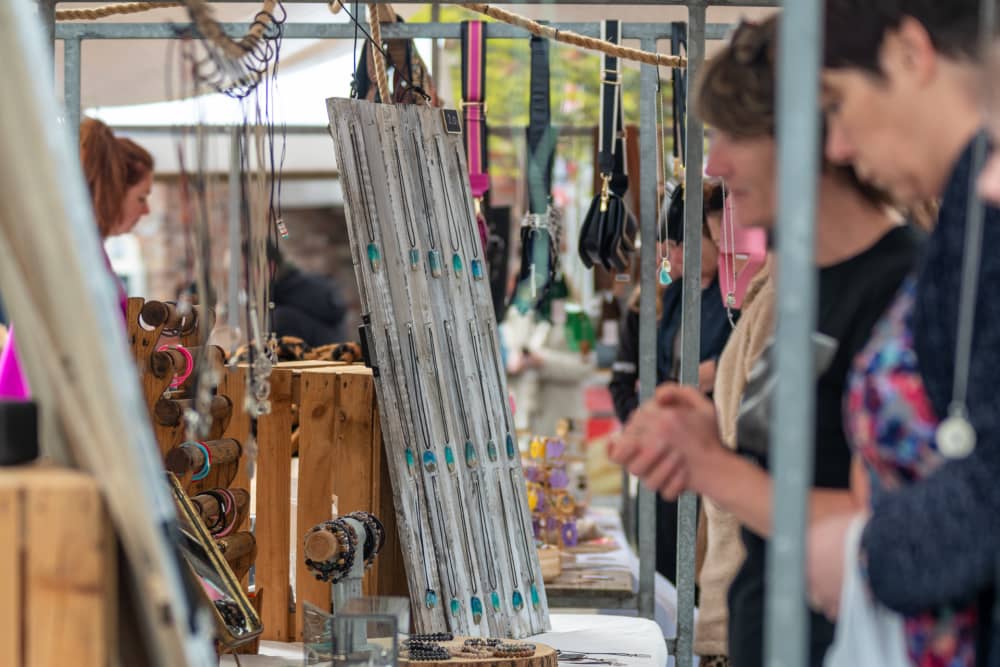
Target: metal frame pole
[[687, 509], [72, 57], [646, 519], [798, 123]]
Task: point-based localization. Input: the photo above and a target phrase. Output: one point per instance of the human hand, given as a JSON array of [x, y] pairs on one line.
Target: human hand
[[825, 565]]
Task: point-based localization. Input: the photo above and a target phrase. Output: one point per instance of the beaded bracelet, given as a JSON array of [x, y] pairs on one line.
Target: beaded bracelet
[[336, 570], [431, 653], [374, 538], [514, 651], [207, 466], [432, 637]]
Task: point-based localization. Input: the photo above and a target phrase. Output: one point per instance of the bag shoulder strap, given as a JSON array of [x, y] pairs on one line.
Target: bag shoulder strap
[[611, 155], [541, 141], [474, 105]]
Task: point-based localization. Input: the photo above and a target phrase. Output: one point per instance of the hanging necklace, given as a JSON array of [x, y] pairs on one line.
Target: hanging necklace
[[471, 456], [729, 238], [430, 595], [511, 449], [491, 447], [475, 604], [516, 598], [449, 455], [428, 458], [453, 233], [374, 254], [411, 232], [476, 263], [956, 437], [455, 605], [433, 254], [535, 601], [397, 379], [664, 272], [492, 575]]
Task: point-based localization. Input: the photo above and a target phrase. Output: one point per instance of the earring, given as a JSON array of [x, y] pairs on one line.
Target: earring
[[665, 278]]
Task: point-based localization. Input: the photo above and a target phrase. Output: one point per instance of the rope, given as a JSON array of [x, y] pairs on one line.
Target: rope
[[105, 11], [576, 39], [380, 76]]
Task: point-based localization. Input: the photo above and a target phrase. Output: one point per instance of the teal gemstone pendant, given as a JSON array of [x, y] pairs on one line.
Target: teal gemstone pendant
[[456, 607], [495, 601], [477, 269], [471, 458], [434, 261], [518, 600], [414, 259], [491, 449], [449, 458], [430, 599], [374, 257], [535, 602], [477, 610], [410, 462], [456, 264], [511, 449], [430, 461]]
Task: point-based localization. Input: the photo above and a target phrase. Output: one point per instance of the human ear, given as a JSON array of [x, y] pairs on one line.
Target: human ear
[[908, 54]]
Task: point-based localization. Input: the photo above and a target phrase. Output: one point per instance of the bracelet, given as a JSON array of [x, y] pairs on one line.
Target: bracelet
[[374, 538], [207, 466], [220, 518], [334, 571], [180, 378], [234, 513]]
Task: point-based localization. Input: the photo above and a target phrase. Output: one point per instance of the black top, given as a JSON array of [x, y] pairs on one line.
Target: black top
[[853, 295], [308, 306], [715, 329]]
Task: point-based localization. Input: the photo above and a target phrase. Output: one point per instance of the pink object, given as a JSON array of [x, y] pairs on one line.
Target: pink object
[[13, 383], [180, 378], [739, 244]]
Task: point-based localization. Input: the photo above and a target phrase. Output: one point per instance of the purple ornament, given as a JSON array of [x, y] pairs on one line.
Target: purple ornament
[[558, 479], [569, 533], [554, 448], [531, 473]]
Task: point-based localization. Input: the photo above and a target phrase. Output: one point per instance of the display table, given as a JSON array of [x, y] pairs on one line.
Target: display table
[[577, 633]]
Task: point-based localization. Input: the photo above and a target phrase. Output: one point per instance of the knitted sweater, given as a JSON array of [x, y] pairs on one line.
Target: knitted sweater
[[724, 553]]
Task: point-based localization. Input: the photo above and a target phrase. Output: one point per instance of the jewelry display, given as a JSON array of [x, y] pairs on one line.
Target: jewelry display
[[449, 454], [476, 262], [433, 254], [491, 446], [471, 455], [511, 447], [396, 382], [453, 233]]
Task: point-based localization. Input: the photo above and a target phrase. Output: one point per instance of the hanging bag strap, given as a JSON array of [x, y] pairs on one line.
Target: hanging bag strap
[[541, 142], [611, 155], [678, 41], [474, 105]]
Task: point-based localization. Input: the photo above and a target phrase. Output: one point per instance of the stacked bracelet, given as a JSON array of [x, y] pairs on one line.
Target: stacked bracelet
[[336, 570]]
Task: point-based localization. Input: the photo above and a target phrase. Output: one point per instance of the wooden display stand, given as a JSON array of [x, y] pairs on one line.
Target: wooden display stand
[[58, 568], [340, 453], [147, 322], [545, 656]]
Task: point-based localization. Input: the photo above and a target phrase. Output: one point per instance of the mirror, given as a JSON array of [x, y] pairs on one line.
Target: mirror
[[235, 618]]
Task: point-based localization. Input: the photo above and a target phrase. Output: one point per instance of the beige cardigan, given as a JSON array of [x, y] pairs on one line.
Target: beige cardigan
[[724, 553]]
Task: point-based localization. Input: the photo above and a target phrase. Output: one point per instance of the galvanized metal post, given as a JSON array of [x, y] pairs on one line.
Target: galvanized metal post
[[234, 202], [687, 509], [47, 15], [647, 317], [71, 87], [798, 123]]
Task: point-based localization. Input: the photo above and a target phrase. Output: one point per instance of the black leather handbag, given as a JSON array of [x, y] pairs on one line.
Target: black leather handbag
[[609, 229]]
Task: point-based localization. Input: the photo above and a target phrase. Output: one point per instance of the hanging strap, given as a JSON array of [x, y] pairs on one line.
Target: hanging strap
[[611, 156], [678, 41], [474, 104], [541, 141]]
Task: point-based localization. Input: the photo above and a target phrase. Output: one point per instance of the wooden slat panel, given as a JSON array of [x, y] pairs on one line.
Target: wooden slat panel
[[12, 580]]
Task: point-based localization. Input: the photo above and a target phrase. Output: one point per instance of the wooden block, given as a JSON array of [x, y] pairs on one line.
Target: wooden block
[[57, 557], [388, 576], [274, 498], [318, 423]]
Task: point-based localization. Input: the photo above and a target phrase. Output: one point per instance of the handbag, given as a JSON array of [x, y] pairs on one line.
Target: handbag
[[608, 233], [867, 634]]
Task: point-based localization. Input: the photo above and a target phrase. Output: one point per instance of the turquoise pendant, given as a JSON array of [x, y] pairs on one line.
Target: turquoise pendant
[[430, 599], [477, 610], [495, 601], [374, 257], [477, 269], [456, 607], [491, 449], [518, 600], [535, 602], [456, 264], [430, 461], [665, 278], [409, 460], [511, 450], [414, 259], [471, 458], [434, 261], [449, 458]]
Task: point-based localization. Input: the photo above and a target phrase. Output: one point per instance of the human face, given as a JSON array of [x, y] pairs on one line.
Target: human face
[[135, 205], [748, 168]]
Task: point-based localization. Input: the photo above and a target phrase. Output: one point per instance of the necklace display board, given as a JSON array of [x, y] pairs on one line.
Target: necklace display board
[[431, 340]]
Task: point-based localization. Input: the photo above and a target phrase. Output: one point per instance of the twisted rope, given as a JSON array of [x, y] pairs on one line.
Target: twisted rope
[[105, 11], [380, 76], [576, 39]]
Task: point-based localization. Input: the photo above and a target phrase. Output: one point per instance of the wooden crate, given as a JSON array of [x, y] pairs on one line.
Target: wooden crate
[[58, 596]]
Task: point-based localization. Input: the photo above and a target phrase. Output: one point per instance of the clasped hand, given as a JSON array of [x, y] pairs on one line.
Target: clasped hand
[[669, 442]]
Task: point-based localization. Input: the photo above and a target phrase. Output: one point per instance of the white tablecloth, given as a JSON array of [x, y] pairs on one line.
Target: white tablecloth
[[578, 633]]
